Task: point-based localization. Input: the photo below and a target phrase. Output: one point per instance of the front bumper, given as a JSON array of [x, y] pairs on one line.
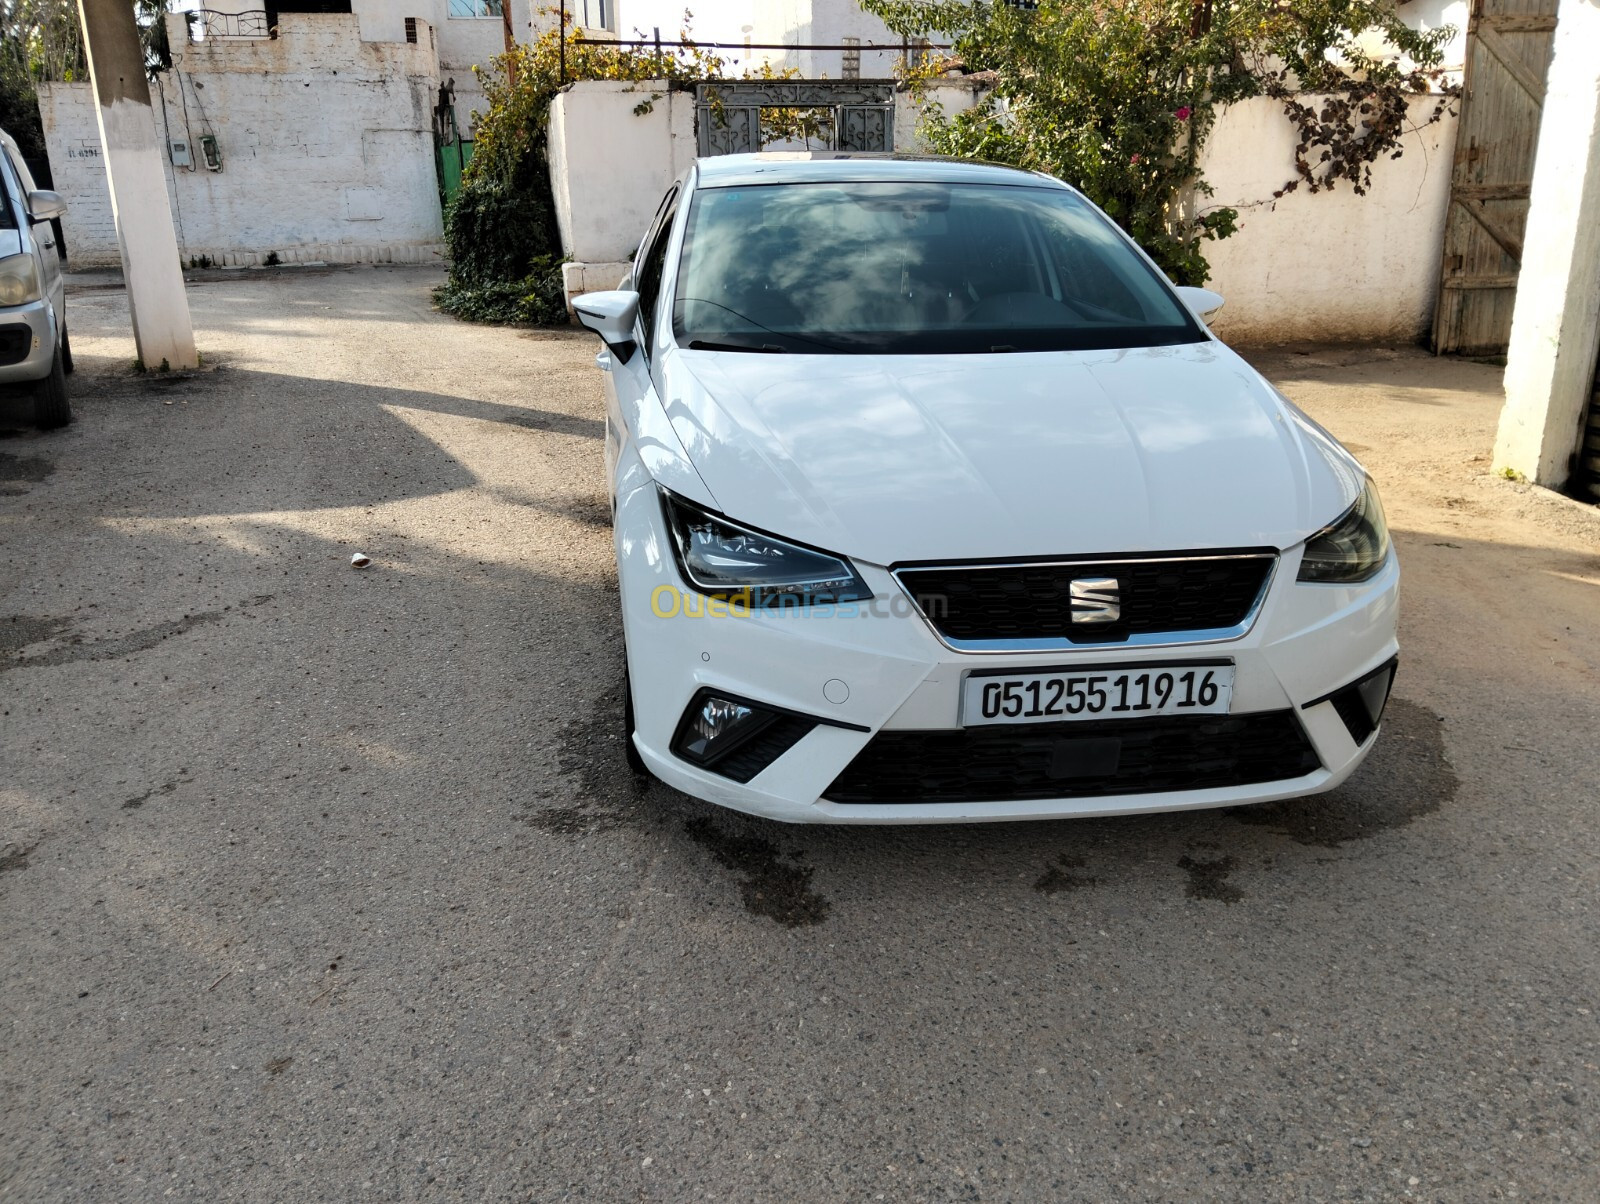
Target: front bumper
[[870, 668], [27, 342]]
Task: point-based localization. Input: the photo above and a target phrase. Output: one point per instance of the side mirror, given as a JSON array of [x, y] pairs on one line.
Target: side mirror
[[44, 205], [1205, 303], [610, 315]]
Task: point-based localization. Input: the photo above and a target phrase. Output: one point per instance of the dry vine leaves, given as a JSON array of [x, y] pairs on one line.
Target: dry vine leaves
[[1357, 122]]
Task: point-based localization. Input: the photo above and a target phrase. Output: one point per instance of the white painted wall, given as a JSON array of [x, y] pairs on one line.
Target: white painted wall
[[1555, 328], [792, 22], [1324, 267], [1332, 266], [462, 42], [610, 166], [911, 109], [326, 142]]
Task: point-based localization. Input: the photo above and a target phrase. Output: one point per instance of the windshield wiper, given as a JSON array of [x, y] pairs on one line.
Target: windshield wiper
[[764, 348]]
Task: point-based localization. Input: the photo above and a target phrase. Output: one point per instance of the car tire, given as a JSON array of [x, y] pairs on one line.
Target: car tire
[[66, 351], [51, 407], [629, 749]]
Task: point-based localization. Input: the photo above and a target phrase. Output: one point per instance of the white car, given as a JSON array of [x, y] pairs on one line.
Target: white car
[[35, 353], [934, 501]]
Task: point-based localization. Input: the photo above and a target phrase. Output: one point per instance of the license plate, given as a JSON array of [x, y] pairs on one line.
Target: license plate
[[1059, 695]]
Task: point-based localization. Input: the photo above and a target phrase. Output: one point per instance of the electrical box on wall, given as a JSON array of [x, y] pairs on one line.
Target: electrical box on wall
[[178, 150], [209, 151]]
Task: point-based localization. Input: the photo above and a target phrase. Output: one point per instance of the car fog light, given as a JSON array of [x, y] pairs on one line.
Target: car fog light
[[716, 725], [734, 737]]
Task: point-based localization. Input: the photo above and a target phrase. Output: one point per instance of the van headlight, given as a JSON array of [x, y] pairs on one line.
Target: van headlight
[[725, 560], [1353, 547], [19, 280]]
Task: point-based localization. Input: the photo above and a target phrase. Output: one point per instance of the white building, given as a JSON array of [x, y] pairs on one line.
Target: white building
[[791, 24], [467, 33]]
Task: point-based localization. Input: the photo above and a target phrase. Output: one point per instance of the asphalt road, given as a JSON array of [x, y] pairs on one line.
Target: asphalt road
[[323, 884]]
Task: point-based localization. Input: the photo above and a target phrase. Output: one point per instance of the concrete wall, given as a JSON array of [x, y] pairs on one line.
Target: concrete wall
[[949, 96], [326, 143], [610, 166], [1329, 266]]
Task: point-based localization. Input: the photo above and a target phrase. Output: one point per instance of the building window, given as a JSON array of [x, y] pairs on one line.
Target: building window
[[595, 14], [467, 9]]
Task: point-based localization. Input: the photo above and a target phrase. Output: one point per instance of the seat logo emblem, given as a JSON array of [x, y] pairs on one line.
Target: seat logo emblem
[[1096, 600]]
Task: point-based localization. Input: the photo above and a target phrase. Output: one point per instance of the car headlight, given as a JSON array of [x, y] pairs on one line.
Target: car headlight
[[723, 559], [1351, 549], [19, 280]]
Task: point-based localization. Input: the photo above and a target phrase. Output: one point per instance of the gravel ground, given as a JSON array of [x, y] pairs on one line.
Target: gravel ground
[[325, 884]]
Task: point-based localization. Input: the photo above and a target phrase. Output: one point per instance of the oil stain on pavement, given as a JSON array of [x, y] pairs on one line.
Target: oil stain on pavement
[[1057, 877], [771, 887], [18, 631], [609, 795], [16, 859], [18, 474], [1209, 879], [36, 630], [1406, 776]]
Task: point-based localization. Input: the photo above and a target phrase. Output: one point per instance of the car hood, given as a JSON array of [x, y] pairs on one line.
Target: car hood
[[10, 243], [902, 458]]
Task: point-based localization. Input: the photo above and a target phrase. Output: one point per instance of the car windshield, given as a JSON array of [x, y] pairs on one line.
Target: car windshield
[[914, 268]]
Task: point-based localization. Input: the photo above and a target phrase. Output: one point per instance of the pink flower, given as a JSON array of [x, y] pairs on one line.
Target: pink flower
[[1183, 113], [1135, 159]]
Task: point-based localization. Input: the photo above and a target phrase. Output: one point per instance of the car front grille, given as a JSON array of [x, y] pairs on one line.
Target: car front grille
[[1086, 759], [1212, 594]]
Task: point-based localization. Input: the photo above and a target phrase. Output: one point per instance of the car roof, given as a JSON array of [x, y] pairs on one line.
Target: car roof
[[813, 167]]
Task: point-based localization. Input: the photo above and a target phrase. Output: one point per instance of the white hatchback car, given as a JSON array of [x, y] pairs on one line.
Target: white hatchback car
[[934, 501]]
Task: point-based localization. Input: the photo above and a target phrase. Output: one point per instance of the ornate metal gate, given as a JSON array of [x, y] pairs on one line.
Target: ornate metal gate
[[728, 113]]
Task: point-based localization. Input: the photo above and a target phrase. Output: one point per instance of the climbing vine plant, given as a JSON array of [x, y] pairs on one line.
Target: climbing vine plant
[[505, 249], [1119, 96]]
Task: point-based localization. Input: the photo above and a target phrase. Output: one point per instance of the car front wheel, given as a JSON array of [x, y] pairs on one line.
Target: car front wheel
[[51, 408]]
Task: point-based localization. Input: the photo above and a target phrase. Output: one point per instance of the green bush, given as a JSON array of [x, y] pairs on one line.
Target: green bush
[[505, 250], [505, 255], [1118, 96], [537, 299]]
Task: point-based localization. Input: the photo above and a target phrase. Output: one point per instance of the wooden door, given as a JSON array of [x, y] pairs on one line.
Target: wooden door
[[1508, 51]]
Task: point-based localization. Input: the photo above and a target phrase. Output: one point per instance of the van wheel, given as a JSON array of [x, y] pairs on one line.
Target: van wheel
[[66, 352], [51, 408]]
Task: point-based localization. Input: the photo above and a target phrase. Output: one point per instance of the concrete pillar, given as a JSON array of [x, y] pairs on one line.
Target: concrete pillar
[[162, 330], [1555, 329]]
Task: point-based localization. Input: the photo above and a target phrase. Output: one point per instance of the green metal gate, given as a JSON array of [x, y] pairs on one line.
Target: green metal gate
[[453, 159]]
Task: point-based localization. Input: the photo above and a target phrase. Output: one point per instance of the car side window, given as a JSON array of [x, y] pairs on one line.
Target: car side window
[[653, 263], [9, 212]]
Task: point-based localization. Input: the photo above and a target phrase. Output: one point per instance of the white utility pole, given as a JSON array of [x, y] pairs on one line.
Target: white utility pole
[[1555, 326], [162, 330]]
